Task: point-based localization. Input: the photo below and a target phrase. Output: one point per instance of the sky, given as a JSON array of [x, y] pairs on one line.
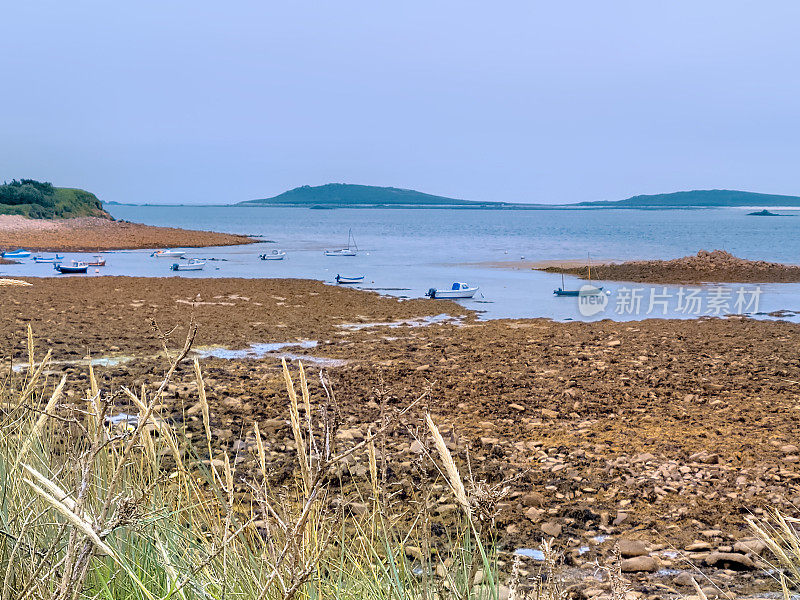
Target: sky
[[522, 101]]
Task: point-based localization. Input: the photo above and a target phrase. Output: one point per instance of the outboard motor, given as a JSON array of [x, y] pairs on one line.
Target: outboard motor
[[431, 293]]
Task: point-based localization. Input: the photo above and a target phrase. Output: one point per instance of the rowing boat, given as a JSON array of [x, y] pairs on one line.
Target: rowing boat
[[341, 279]]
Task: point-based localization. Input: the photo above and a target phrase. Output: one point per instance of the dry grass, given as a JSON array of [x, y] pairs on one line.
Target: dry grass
[[132, 510]]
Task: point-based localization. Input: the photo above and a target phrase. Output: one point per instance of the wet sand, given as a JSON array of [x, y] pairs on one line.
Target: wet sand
[[667, 432], [96, 234]]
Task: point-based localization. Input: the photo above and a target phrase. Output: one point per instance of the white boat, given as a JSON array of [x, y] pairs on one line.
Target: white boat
[[16, 254], [341, 279], [169, 253], [459, 290], [349, 251], [47, 259], [274, 255], [192, 265]]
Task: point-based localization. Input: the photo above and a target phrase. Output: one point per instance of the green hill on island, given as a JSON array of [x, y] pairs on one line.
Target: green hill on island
[[41, 200], [698, 198], [344, 195]]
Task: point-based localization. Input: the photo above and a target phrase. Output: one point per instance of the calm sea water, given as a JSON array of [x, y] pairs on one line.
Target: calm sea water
[[405, 252]]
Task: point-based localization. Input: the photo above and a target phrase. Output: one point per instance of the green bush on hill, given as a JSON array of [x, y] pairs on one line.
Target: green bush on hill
[[40, 200]]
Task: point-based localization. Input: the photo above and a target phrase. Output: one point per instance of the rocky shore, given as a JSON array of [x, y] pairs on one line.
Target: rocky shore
[[717, 266], [96, 234], [657, 437]]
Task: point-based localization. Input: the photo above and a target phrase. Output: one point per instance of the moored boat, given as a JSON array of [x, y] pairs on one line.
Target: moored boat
[[75, 267], [192, 265], [342, 279], [274, 255], [98, 261], [168, 253], [458, 290], [47, 259], [17, 254], [586, 290], [351, 249]]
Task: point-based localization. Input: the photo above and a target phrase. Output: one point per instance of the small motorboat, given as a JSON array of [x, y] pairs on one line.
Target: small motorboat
[[342, 279], [47, 259], [75, 267], [168, 254], [17, 254], [458, 290], [98, 261], [274, 255], [192, 265]]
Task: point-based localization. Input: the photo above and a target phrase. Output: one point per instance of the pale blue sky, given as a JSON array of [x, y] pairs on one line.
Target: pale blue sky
[[216, 102]]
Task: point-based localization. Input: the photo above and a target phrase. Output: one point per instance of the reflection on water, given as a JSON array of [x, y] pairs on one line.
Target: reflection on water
[[271, 350]]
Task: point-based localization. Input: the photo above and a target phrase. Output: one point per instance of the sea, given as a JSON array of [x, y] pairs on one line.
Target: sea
[[405, 252]]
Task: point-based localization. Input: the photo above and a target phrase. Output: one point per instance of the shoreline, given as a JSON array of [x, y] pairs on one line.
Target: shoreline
[[599, 432], [716, 266], [97, 234]]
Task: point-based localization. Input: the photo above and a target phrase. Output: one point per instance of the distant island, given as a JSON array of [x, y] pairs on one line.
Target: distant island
[[698, 199], [766, 213], [347, 195], [41, 200]]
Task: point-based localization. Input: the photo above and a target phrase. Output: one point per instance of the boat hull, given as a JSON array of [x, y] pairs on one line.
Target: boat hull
[[188, 267], [278, 256], [340, 252], [17, 254], [340, 279], [576, 293], [73, 270], [453, 295], [42, 259], [168, 254]]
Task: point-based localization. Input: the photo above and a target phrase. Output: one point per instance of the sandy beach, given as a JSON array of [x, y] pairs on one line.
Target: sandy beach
[[96, 234], [666, 433]]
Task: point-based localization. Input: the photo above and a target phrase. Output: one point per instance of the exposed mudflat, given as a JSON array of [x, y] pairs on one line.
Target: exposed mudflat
[[95, 233], [667, 433], [717, 266]]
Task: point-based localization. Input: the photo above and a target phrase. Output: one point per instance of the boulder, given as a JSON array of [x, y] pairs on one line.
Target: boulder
[[532, 499], [631, 548], [730, 560], [639, 564], [750, 546], [551, 528], [698, 546]]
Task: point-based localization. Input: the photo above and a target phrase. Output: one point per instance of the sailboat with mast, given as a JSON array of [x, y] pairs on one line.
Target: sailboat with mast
[[351, 250], [585, 290]]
